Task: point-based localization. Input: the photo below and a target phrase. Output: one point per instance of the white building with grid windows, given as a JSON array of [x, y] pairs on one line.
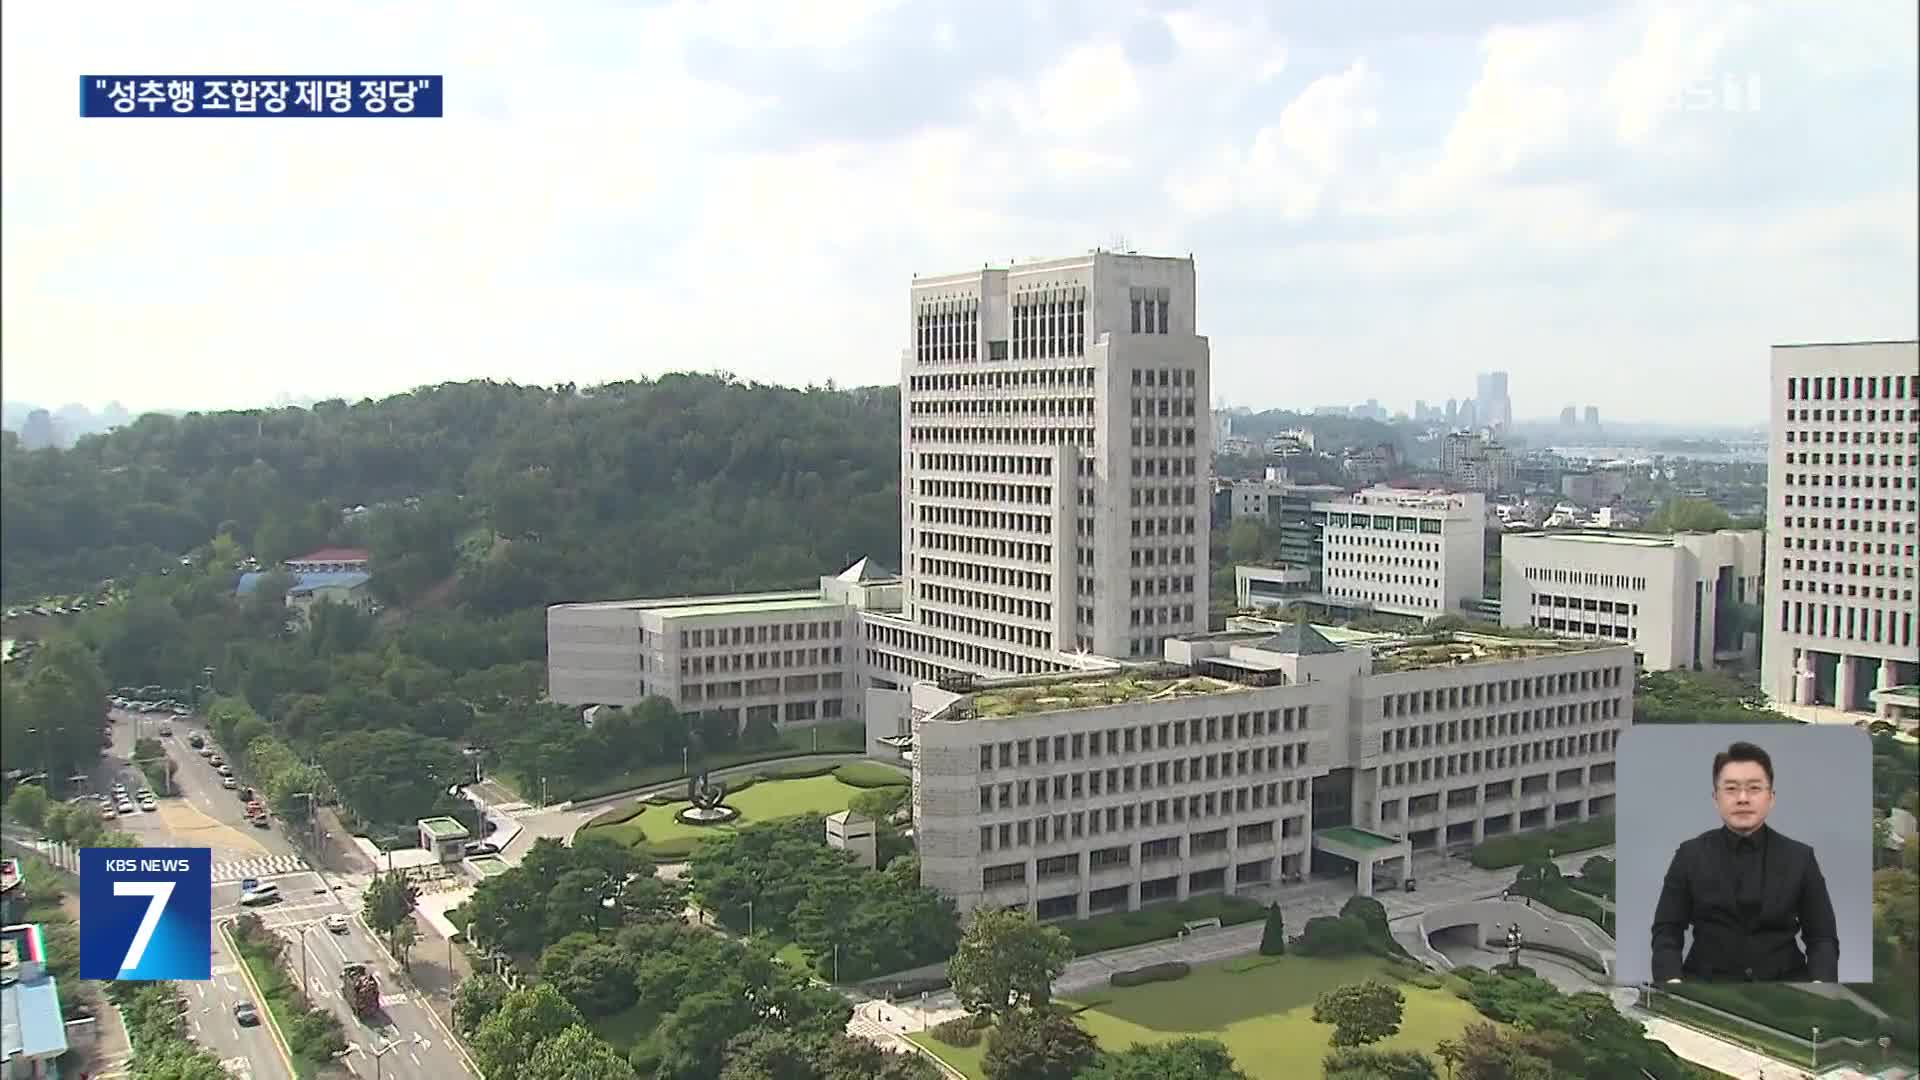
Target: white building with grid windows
[[1843, 477], [1248, 756], [1404, 552], [1055, 442], [1678, 601]]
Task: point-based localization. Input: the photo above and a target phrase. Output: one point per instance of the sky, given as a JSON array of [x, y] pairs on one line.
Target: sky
[[1622, 205]]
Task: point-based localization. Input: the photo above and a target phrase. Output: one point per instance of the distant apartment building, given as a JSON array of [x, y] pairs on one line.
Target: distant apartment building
[[1055, 441], [1674, 600], [1843, 477], [1595, 487], [1251, 497], [1248, 757], [789, 657], [1404, 552]]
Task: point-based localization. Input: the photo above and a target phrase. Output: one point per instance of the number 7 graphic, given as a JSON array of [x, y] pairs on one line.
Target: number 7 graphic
[[157, 893]]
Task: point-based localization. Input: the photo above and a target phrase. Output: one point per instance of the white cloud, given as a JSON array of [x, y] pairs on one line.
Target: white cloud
[[592, 209], [1288, 165]]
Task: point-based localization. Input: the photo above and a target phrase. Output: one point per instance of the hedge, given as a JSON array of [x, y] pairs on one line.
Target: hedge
[[1124, 928], [1152, 973], [958, 1031], [797, 771], [867, 774], [1514, 849], [902, 989], [1576, 956], [619, 815], [1790, 1010]]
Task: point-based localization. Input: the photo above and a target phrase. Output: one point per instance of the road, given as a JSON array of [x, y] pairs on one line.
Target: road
[[411, 1043]]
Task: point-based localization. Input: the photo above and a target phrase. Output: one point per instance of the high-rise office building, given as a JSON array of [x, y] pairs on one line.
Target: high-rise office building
[[1843, 475], [1495, 409], [1055, 446]]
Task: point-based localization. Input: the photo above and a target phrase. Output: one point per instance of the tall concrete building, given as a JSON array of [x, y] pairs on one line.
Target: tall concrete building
[[1843, 477], [1055, 443], [1490, 391]]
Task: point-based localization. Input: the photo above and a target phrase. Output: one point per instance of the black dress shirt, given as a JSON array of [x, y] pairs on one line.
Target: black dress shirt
[[1746, 898]]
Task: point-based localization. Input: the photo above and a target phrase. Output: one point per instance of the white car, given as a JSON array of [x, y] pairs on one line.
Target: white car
[[335, 923], [229, 782]]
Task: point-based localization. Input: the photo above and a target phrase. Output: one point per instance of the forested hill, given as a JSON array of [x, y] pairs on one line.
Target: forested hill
[[683, 484]]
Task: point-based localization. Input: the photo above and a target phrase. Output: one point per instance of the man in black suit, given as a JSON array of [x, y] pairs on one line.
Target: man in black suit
[[1746, 891]]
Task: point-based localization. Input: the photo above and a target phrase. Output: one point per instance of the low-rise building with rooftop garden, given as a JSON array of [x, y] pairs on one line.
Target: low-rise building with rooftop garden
[[1255, 755]]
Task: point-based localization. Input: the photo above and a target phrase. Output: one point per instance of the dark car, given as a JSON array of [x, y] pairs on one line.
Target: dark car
[[484, 848], [246, 1015]]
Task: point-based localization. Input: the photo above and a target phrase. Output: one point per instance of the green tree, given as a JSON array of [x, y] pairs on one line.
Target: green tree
[[1038, 1044], [28, 804], [576, 1054], [1007, 962], [1273, 939], [590, 972], [1688, 515], [505, 1042], [1360, 1013], [389, 901], [477, 998]]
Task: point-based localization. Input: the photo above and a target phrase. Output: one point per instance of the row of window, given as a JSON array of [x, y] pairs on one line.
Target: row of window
[[1004, 521], [1161, 556], [1384, 543], [1432, 526], [1842, 416], [1167, 436], [1002, 577], [992, 547], [1890, 568], [1157, 586], [1069, 865], [1856, 387], [1608, 631], [1846, 525], [1164, 377], [1180, 494], [1586, 577], [797, 710], [1475, 797], [1499, 691], [966, 655], [1037, 405], [985, 491], [1874, 625], [1161, 735], [1583, 603], [1147, 776], [1163, 407], [1506, 725], [1047, 378], [991, 629], [1049, 324], [1015, 464], [1161, 526], [1025, 435], [1149, 308], [755, 661], [1001, 603], [722, 636], [1175, 615], [1428, 770], [1354, 593], [947, 330], [1148, 814]]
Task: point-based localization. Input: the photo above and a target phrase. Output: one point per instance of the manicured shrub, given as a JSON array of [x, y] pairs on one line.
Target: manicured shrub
[[867, 774], [1152, 973], [617, 815]]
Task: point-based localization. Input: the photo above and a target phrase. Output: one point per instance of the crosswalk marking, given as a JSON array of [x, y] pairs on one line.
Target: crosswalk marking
[[264, 866]]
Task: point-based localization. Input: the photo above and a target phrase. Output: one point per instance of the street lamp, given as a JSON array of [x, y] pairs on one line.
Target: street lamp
[[543, 793], [836, 963], [379, 1068], [749, 918], [1816, 1048]]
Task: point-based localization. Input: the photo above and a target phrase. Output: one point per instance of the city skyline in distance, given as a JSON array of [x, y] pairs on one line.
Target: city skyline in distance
[[1374, 198]]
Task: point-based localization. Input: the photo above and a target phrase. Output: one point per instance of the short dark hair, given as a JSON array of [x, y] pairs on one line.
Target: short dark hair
[[1743, 751]]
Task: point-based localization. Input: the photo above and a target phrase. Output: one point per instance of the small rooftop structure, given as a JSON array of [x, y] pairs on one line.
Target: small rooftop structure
[[306, 582], [728, 604], [445, 838], [443, 828], [32, 1027], [866, 570]]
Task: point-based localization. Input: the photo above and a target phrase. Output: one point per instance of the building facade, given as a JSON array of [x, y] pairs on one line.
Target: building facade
[[1404, 552], [1055, 443], [792, 658], [1248, 756], [1677, 601], [1843, 475]]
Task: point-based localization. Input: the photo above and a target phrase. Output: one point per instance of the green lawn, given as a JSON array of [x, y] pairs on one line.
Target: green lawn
[[1263, 1013], [766, 800]]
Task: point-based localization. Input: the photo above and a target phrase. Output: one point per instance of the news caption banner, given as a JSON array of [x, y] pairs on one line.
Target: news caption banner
[[146, 913], [106, 97]]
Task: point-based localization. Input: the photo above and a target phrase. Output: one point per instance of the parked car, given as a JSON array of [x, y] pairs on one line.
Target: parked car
[[261, 895], [229, 782]]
